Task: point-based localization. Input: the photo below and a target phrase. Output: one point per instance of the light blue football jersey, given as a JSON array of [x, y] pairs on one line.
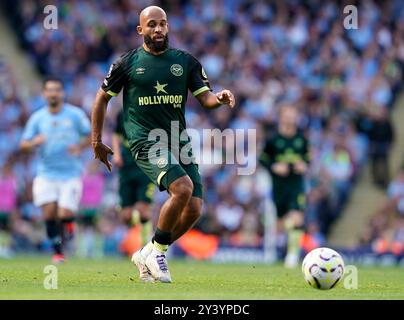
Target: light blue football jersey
[[61, 130]]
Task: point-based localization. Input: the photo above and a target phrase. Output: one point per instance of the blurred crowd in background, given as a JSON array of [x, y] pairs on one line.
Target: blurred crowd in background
[[344, 82]]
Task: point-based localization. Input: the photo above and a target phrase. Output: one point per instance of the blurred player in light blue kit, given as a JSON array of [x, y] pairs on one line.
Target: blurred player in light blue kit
[[60, 132]]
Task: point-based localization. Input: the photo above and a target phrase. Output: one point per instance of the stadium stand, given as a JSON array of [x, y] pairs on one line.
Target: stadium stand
[[343, 82]]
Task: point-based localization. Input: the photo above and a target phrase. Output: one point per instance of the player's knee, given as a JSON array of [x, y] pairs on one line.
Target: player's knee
[[126, 215], [185, 191], [182, 187], [297, 218], [50, 211], [144, 210]]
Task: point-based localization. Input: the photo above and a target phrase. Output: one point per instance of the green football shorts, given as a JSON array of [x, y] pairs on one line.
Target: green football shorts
[[164, 168], [134, 190], [287, 200]]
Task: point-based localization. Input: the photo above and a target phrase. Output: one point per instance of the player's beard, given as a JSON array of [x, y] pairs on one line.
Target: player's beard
[[156, 46], [53, 102]]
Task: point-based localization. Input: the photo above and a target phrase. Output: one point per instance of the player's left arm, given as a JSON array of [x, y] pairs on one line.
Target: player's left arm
[[198, 84], [302, 165], [267, 158], [83, 127], [211, 100], [76, 149]]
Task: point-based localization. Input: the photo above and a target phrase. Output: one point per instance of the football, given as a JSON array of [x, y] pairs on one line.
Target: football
[[323, 268]]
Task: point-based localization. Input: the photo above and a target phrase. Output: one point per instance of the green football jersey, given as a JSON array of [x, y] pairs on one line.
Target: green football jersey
[[155, 90], [287, 150]]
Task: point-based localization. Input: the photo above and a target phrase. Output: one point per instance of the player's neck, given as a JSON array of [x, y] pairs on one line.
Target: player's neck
[[287, 131], [155, 53]]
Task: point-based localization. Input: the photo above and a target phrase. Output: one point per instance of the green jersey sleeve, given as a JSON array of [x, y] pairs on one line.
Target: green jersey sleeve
[[267, 155], [197, 79], [117, 76]]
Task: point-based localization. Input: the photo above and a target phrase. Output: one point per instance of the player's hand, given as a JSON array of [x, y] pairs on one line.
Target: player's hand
[[38, 140], [101, 152], [226, 97], [117, 160], [300, 167], [74, 149], [281, 169]]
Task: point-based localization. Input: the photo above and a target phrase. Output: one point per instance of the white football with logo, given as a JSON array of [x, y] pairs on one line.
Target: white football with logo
[[323, 268]]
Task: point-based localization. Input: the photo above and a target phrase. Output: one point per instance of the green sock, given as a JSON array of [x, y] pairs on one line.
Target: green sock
[[135, 217], [160, 247], [294, 236], [5, 239], [146, 232]]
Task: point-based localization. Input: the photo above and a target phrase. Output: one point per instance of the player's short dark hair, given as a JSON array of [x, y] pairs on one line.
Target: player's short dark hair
[[52, 79]]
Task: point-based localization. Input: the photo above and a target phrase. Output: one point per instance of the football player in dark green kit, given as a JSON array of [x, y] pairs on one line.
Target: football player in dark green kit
[[135, 189], [286, 156], [155, 81]]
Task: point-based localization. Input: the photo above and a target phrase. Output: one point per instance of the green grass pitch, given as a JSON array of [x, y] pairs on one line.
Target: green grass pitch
[[23, 277]]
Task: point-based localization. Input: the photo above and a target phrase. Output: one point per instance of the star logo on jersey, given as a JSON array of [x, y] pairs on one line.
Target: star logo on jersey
[[160, 87]]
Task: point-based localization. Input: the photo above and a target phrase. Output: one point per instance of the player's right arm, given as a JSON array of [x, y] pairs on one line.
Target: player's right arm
[[267, 158], [28, 145], [111, 87], [116, 142], [31, 137], [99, 109]]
